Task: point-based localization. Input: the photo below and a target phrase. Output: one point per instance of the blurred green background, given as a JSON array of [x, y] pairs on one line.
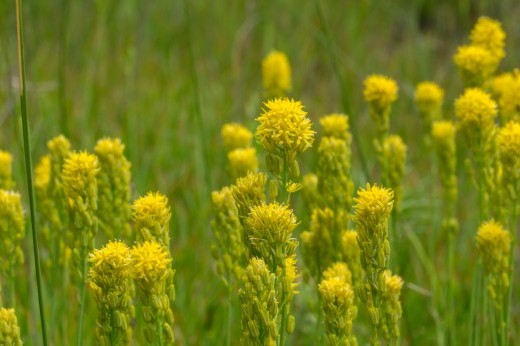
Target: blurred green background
[[165, 75]]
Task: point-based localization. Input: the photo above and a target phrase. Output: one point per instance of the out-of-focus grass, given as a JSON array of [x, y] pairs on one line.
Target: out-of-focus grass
[[123, 69]]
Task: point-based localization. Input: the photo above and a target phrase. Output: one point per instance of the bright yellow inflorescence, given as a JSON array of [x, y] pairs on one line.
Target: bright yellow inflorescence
[[153, 276], [338, 270], [42, 173], [509, 101], [488, 33], [476, 113], [151, 215], [494, 246], [6, 170], [475, 63], [114, 181], [276, 73], [12, 231], [9, 329], [429, 97], [508, 141], [242, 161], [235, 136], [79, 180], [336, 125], [284, 129], [392, 310], [380, 92], [248, 192], [339, 310], [352, 254], [110, 276]]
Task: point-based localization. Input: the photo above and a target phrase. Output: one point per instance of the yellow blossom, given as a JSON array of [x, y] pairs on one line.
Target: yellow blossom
[[242, 161], [394, 152], [151, 215], [475, 63], [429, 97], [380, 91], [284, 129], [6, 170], [9, 329], [336, 125], [276, 73], [488, 33], [235, 136]]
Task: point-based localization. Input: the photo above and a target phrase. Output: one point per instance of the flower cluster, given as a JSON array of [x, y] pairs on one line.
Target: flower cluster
[[428, 98], [6, 171], [9, 329], [394, 152], [276, 74]]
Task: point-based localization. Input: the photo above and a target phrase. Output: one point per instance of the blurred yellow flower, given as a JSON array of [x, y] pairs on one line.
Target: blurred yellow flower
[[235, 136], [276, 73]]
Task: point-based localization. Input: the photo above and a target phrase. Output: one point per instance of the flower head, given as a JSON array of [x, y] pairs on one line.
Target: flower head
[[110, 265], [429, 97], [394, 151], [242, 161], [372, 204], [336, 125], [488, 33], [476, 112], [79, 177], [235, 136], [9, 329], [151, 210], [273, 223], [380, 91], [276, 73], [59, 145], [475, 63], [443, 132], [509, 101], [12, 230], [151, 261], [338, 270], [42, 173], [494, 243], [249, 191], [508, 140], [284, 128]]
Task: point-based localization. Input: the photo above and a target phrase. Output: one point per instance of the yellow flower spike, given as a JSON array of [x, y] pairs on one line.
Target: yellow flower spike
[[380, 91], [509, 101], [284, 129], [352, 255], [248, 192], [310, 190], [476, 113], [114, 181], [235, 136], [392, 307], [500, 83], [339, 310], [394, 152], [6, 171], [42, 174], [151, 215], [494, 246], [276, 74], [508, 142], [9, 329], [259, 306], [372, 211], [476, 64], [12, 231], [230, 251], [488, 33], [428, 98], [338, 270], [59, 146], [152, 274], [110, 281], [242, 161], [336, 125]]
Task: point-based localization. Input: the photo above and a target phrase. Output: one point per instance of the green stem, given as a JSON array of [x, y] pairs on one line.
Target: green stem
[[82, 293], [451, 289], [228, 310], [28, 163]]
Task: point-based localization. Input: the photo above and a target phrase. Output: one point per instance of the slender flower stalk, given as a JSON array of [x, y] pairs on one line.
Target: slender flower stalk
[[372, 211], [9, 329], [114, 180], [110, 282], [152, 273], [28, 162]]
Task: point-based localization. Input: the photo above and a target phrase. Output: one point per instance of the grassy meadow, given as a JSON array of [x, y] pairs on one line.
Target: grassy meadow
[[165, 76]]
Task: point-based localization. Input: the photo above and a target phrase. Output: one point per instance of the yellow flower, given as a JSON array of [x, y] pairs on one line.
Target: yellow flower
[[476, 112], [475, 63], [351, 254], [110, 265], [373, 203], [235, 136], [9, 329], [494, 245], [394, 152], [500, 83], [509, 100], [272, 223], [488, 33], [249, 191], [42, 173], [429, 97], [443, 132], [284, 129], [59, 145], [151, 211], [242, 161], [336, 125], [79, 178], [392, 310], [12, 231], [276, 73], [151, 261], [338, 270], [6, 171], [508, 140], [380, 91]]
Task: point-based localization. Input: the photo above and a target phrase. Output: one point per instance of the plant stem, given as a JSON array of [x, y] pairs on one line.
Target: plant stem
[[82, 293], [28, 163]]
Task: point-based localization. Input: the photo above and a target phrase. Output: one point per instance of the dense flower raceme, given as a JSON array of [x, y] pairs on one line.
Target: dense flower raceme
[[380, 93], [284, 129], [6, 170], [476, 64], [488, 33], [276, 74], [9, 329], [151, 215]]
